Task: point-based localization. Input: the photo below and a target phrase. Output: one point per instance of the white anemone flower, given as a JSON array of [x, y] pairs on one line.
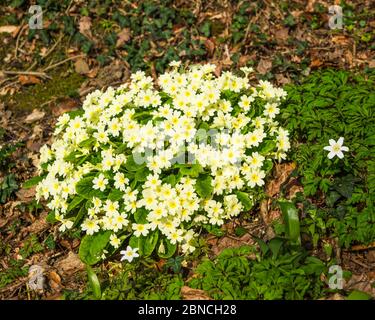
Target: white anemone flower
[[336, 148]]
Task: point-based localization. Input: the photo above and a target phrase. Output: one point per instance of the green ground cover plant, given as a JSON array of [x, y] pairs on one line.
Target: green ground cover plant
[[330, 104]]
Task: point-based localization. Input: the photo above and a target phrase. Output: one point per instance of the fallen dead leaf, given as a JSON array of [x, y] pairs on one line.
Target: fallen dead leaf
[[341, 39], [310, 5], [360, 282], [193, 294], [54, 281], [35, 116], [65, 105], [122, 37], [281, 79], [335, 296], [268, 216], [81, 66], [85, 26], [69, 265], [26, 195], [293, 191], [28, 79], [315, 63], [210, 46], [281, 174], [219, 244], [38, 225], [9, 29], [264, 66], [282, 34], [243, 60]]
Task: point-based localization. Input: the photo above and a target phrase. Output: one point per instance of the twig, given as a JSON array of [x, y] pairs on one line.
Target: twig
[[30, 73], [361, 247], [360, 263], [69, 6], [32, 66], [62, 62], [54, 46], [18, 38], [21, 282], [7, 79]]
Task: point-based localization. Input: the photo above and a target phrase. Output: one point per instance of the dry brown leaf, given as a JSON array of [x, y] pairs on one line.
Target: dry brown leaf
[[210, 46], [341, 40], [26, 195], [93, 72], [81, 66], [55, 277], [9, 29], [282, 172], [293, 191], [38, 225], [85, 26], [219, 244], [54, 281], [282, 34], [315, 63], [28, 79], [122, 37], [242, 61], [193, 294], [360, 282], [268, 216], [310, 5], [335, 296], [281, 79], [264, 66], [69, 265], [35, 116], [65, 105]]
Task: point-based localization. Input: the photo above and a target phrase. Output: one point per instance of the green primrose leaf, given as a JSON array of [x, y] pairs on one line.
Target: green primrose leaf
[[92, 246], [203, 186]]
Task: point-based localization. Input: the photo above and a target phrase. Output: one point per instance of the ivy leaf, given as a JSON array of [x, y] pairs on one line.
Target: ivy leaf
[[203, 186], [92, 246]]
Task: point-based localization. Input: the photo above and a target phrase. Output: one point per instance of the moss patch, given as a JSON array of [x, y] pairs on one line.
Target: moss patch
[[39, 95]]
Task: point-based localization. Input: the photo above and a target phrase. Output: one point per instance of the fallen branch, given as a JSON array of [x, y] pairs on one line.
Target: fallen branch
[[362, 247], [62, 62], [30, 73]]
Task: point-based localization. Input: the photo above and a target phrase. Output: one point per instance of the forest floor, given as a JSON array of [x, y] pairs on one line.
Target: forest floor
[[47, 72]]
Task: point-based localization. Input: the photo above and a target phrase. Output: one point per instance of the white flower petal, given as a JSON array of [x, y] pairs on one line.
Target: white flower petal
[[343, 148], [340, 141], [340, 154], [332, 142], [331, 155]]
